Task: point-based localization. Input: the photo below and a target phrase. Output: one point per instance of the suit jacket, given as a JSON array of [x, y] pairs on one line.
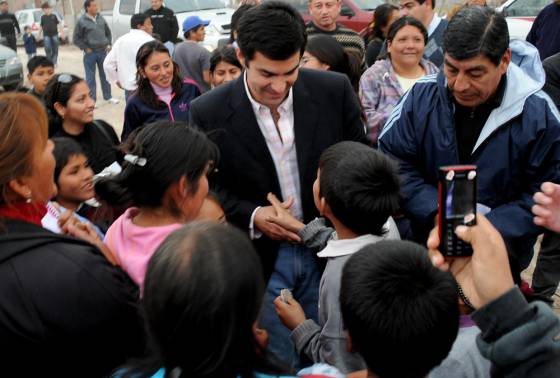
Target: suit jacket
[[326, 111]]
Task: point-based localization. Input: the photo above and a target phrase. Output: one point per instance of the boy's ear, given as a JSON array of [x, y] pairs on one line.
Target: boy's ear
[[323, 206], [349, 345]]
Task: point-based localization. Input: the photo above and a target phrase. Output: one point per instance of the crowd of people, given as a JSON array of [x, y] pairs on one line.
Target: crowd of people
[[270, 208]]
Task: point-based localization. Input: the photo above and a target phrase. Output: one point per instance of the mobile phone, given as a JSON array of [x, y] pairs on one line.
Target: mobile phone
[[286, 295], [456, 206]]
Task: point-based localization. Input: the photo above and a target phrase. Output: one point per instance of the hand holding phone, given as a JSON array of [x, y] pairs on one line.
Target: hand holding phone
[[456, 207]]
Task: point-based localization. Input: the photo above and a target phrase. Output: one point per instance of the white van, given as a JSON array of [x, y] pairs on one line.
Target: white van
[[520, 15], [213, 10]]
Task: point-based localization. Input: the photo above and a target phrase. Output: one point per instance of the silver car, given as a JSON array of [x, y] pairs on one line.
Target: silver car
[[11, 69]]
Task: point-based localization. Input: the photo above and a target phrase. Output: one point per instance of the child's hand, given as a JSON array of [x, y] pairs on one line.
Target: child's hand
[[283, 217], [291, 314]]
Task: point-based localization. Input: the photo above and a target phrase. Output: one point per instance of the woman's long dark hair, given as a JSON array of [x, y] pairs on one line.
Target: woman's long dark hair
[[145, 90], [59, 89], [202, 295], [171, 150], [329, 51], [381, 17]]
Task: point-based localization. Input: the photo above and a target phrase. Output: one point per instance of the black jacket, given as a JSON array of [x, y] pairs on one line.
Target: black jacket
[[326, 111], [552, 84], [165, 24], [64, 310]]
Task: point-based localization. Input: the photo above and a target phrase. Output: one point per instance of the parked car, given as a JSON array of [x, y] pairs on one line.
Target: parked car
[[354, 14], [520, 15], [213, 10], [11, 69], [32, 18]]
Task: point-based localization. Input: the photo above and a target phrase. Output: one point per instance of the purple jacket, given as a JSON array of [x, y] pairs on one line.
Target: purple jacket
[[380, 91]]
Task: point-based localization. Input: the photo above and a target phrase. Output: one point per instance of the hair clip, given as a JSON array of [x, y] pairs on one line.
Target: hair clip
[[135, 160]]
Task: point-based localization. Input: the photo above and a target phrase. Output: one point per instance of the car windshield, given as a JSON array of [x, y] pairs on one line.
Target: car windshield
[[37, 15], [368, 5], [179, 6]]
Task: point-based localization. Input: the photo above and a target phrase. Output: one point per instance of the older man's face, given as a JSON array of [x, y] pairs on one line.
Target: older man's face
[[475, 80], [324, 13]]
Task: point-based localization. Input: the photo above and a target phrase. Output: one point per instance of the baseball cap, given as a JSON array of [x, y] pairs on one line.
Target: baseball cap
[[193, 22]]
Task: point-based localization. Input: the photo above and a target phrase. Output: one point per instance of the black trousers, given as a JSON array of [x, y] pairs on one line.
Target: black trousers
[[547, 272], [10, 41]]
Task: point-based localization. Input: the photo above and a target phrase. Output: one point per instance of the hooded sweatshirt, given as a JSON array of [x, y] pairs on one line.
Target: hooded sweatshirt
[[516, 151], [133, 246]]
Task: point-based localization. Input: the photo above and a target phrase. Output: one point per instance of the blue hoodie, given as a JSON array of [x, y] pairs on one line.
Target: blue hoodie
[[517, 150]]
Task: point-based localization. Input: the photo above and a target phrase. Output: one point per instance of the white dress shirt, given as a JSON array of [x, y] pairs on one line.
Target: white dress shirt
[[433, 24], [281, 144], [120, 63]]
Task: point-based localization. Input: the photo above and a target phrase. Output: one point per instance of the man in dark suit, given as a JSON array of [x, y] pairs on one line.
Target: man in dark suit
[[271, 126]]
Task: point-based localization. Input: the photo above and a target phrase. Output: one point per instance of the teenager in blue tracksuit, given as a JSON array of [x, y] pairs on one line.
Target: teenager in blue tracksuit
[[513, 136]]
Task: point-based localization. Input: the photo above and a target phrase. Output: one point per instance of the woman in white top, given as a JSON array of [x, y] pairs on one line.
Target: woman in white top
[[384, 83]]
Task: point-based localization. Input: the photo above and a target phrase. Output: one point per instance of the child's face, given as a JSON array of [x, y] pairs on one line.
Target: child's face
[[40, 77], [211, 211], [75, 183]]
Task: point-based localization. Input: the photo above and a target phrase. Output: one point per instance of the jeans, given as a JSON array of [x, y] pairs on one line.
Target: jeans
[[92, 59], [29, 56], [51, 48], [547, 271], [295, 269]]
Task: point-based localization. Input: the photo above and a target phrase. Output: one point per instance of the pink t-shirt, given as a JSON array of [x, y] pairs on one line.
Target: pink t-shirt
[[133, 245]]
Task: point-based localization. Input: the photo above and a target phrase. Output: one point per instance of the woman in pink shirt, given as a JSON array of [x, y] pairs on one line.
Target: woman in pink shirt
[[164, 178]]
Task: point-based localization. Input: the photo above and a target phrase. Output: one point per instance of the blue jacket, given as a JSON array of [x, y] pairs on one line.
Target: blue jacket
[[545, 32], [518, 148], [30, 44], [137, 113]]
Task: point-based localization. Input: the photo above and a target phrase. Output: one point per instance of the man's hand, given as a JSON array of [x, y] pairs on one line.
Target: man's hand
[[283, 217], [291, 314], [485, 275], [547, 206], [270, 229]]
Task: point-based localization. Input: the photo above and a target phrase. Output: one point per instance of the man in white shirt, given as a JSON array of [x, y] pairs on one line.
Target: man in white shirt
[[120, 63]]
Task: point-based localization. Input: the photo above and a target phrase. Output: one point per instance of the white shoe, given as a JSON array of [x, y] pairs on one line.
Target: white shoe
[[113, 100]]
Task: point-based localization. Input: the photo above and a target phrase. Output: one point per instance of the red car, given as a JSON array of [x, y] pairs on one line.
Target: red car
[[354, 14]]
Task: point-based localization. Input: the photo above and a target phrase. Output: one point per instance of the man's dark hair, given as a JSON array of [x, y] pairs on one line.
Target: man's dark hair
[[87, 3], [64, 149], [360, 185], [423, 1], [187, 34], [476, 30], [38, 61], [3, 2], [402, 313], [138, 19], [275, 29], [45, 5]]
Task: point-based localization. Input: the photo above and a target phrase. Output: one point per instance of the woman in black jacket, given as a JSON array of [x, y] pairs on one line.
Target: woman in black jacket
[[65, 310]]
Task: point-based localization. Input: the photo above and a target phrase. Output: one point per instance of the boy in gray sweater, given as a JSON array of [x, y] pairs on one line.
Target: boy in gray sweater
[[357, 189]]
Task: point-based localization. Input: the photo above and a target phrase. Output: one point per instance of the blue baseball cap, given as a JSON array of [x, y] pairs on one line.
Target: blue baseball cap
[[193, 22]]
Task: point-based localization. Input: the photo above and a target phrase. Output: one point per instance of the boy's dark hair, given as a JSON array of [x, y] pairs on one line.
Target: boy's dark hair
[[402, 313], [224, 54], [87, 3], [187, 34], [203, 284], [476, 30], [405, 21], [274, 29], [64, 149], [172, 150], [138, 19], [26, 27], [360, 185], [45, 5], [38, 61]]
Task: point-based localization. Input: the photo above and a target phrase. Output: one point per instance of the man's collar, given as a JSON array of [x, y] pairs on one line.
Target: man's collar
[[257, 106], [433, 24]]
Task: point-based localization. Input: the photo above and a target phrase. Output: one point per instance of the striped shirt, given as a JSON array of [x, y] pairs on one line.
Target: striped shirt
[[349, 39]]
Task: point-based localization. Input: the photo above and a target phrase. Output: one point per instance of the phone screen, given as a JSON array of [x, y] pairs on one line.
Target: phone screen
[[459, 201]]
